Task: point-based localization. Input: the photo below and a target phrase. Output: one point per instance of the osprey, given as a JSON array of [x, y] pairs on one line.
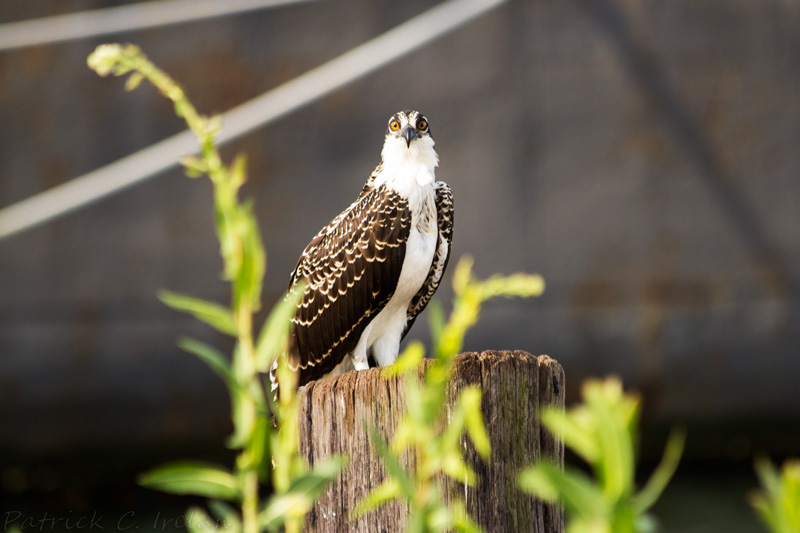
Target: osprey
[[374, 267]]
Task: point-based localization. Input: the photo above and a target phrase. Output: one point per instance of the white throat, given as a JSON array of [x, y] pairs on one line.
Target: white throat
[[408, 169]]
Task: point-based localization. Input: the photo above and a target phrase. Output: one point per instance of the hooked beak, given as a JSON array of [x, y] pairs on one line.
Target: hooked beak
[[409, 134]]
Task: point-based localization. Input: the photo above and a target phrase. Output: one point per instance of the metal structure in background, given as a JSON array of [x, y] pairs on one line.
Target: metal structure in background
[[258, 112], [741, 215]]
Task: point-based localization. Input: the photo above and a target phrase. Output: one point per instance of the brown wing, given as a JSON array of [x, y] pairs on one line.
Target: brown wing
[[444, 220], [351, 268]]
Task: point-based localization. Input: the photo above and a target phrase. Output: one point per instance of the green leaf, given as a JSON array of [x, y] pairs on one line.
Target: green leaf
[[407, 362], [768, 475], [465, 412], [393, 467], [211, 313], [227, 515], [760, 502], [385, 492], [250, 274], [275, 331], [663, 473], [518, 285], [415, 407], [617, 457], [210, 355], [191, 477], [778, 502], [623, 519], [438, 518], [573, 489], [406, 434], [451, 436], [790, 475], [436, 321], [461, 519], [465, 524], [258, 448], [197, 521], [229, 246], [133, 81], [105, 58], [471, 403], [300, 497], [215, 125], [237, 173], [574, 429], [462, 277], [452, 463], [281, 506], [417, 520], [615, 419], [320, 476], [536, 481], [194, 166]]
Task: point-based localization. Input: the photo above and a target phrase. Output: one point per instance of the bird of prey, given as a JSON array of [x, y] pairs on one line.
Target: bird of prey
[[374, 267]]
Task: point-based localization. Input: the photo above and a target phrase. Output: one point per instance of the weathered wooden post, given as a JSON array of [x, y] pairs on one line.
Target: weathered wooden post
[[515, 384]]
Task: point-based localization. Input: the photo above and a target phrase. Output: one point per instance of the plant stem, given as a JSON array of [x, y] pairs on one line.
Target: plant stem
[[250, 501], [248, 474], [244, 262]]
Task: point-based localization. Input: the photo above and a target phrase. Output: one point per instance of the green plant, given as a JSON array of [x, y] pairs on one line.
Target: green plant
[[602, 431], [244, 259], [440, 451], [778, 501]]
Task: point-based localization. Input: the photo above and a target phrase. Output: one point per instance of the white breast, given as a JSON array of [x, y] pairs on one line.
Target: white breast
[[409, 172], [384, 332], [419, 257]]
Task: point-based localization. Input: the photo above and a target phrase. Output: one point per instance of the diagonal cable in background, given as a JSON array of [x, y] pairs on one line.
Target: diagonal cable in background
[[246, 117], [139, 16]]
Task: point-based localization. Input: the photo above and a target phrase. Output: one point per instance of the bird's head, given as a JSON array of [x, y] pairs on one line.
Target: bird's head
[[407, 127], [408, 140]]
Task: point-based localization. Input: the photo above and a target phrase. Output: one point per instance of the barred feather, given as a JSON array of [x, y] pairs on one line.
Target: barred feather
[[352, 267], [444, 221]]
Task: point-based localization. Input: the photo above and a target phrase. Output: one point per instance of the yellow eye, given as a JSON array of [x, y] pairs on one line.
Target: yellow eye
[[394, 125], [422, 125]]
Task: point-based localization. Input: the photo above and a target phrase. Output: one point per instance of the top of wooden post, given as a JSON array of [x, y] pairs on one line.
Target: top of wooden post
[[515, 384]]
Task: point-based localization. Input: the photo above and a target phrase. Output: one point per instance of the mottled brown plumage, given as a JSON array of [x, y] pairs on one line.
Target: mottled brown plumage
[[351, 267]]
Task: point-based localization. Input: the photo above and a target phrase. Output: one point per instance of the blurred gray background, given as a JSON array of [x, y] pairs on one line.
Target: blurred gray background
[[643, 156]]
